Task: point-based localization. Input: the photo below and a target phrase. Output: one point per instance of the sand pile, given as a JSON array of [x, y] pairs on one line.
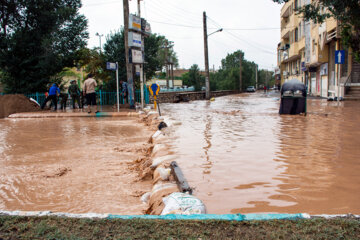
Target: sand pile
[[16, 103]]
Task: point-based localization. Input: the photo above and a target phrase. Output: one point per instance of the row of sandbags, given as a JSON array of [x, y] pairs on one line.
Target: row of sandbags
[[165, 197]]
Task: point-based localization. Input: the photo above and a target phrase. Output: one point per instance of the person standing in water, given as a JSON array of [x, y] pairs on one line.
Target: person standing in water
[[89, 92]]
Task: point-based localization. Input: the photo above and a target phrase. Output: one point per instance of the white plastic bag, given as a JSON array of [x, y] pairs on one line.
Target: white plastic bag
[[182, 203]]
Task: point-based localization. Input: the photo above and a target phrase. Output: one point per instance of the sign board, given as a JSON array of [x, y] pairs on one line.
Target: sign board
[[111, 66], [135, 40], [134, 22], [137, 70], [143, 24], [148, 28], [340, 57], [324, 69], [303, 67], [136, 56], [154, 89]]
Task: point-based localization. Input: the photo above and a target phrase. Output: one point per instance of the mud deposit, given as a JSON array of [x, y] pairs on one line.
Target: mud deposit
[[242, 157], [75, 165], [16, 103]]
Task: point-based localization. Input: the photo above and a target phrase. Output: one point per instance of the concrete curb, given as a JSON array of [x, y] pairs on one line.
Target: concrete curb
[[72, 114]]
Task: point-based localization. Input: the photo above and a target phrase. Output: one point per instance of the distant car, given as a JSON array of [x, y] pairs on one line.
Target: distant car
[[251, 89]]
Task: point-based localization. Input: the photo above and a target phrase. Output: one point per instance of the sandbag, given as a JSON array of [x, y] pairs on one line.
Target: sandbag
[[182, 203], [157, 161]]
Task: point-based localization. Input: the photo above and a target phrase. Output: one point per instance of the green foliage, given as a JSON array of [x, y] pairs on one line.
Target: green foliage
[[194, 78], [346, 12], [114, 50], [227, 78], [37, 40]]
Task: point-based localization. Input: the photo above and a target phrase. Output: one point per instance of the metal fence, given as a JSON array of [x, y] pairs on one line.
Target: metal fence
[[103, 98]]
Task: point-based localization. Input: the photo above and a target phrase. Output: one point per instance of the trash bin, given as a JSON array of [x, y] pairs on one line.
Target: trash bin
[[293, 97]]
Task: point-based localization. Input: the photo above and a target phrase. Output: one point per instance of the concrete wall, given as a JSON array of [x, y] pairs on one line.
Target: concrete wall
[[171, 97]]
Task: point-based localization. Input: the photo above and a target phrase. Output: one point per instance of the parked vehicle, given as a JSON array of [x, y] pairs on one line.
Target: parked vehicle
[[251, 89]]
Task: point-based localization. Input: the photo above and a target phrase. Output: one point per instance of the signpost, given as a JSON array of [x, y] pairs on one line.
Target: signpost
[[339, 59], [154, 90], [115, 66]]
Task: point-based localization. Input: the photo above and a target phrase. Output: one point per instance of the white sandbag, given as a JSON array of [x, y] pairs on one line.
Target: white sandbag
[[156, 134], [157, 161], [164, 173], [161, 186], [182, 203], [145, 198], [159, 149]]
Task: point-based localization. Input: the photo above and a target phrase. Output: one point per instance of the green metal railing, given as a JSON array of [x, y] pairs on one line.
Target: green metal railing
[[103, 98]]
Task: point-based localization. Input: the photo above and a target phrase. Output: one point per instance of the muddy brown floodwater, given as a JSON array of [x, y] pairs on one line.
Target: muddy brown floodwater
[[76, 165], [243, 157]]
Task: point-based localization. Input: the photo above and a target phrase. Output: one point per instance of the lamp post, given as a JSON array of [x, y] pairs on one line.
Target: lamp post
[[99, 35], [206, 51]]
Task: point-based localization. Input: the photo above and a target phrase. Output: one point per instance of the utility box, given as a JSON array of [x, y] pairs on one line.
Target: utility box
[[293, 98]]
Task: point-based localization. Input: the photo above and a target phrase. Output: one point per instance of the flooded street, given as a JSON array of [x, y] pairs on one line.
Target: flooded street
[[75, 165], [241, 156]]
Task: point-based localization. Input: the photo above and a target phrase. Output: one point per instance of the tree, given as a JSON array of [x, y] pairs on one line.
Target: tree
[[194, 78], [114, 49], [38, 39], [227, 78], [346, 12]]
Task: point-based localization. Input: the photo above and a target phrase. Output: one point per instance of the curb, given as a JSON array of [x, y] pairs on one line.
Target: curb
[[73, 114]]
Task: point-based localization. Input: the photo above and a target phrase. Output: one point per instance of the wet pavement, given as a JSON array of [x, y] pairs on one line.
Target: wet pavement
[[75, 165], [241, 156]]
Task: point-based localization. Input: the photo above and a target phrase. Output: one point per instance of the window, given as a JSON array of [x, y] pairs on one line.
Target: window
[[296, 34], [313, 47]]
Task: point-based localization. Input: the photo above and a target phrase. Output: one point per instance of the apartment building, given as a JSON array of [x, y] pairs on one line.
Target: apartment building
[[307, 52]]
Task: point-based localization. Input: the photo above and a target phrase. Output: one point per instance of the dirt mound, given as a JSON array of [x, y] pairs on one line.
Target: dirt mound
[[16, 103]]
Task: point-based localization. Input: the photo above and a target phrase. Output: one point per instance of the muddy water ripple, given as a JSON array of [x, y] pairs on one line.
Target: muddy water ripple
[[72, 165], [241, 156]]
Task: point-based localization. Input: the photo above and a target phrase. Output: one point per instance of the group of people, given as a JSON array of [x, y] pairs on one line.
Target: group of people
[[75, 94]]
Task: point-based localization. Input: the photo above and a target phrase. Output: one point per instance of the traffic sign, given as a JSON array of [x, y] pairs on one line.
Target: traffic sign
[[154, 89], [111, 66], [340, 57]]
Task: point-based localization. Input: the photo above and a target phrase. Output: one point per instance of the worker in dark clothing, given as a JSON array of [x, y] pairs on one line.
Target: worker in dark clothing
[[64, 98], [54, 91], [74, 92]]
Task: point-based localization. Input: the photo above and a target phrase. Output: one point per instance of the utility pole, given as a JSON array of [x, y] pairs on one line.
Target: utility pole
[[240, 77], [256, 76], [207, 78], [172, 74], [166, 64], [142, 65], [129, 69], [99, 35]]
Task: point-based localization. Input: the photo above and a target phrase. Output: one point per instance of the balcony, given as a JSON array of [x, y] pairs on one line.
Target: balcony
[[294, 49], [286, 10], [301, 43]]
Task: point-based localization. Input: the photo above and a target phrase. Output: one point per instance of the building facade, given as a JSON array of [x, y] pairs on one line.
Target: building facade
[[307, 52]]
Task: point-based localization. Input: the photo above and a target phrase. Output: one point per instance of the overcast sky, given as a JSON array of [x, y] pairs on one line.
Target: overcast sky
[[250, 25]]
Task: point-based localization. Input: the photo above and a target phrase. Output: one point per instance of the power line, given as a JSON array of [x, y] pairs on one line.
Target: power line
[[171, 16], [243, 40], [100, 4]]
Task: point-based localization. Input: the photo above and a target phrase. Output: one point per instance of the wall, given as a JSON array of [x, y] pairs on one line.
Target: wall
[[171, 97]]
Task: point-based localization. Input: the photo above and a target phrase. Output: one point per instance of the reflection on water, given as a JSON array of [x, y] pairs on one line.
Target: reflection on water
[[258, 161], [70, 165]]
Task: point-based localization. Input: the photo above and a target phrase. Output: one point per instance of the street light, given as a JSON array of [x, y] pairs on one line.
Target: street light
[[99, 35], [207, 78], [219, 30]]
